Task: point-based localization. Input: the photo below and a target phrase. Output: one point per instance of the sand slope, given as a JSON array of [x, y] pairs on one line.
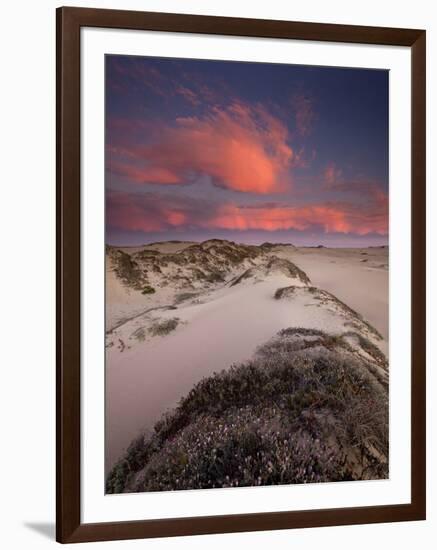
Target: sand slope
[[219, 320], [358, 277]]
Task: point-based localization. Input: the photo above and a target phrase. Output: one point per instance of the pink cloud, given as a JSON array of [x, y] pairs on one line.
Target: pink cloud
[[303, 106], [140, 75], [156, 174], [188, 94], [149, 212], [240, 147], [331, 174], [136, 74], [156, 212], [331, 217]]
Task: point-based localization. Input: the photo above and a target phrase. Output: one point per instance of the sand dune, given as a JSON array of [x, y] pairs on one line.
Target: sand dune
[[213, 306], [358, 277]]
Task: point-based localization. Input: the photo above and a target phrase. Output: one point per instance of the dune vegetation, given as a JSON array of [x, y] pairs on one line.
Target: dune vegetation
[[308, 407]]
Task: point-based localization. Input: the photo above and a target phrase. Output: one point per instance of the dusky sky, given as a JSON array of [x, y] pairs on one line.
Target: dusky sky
[[250, 152]]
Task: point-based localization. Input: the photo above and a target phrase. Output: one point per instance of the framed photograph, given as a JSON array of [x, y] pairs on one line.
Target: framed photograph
[[241, 274]]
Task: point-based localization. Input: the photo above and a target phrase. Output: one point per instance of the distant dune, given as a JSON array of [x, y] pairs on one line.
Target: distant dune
[[179, 312]]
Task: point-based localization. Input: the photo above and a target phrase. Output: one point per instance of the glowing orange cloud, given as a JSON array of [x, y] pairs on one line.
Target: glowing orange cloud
[[155, 212], [144, 213], [156, 173], [331, 218], [239, 147]]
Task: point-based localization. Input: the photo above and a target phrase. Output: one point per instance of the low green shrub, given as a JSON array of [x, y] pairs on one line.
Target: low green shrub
[[148, 290], [161, 328]]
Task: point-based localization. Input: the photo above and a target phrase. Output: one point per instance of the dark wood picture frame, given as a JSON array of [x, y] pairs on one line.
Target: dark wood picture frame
[[68, 520]]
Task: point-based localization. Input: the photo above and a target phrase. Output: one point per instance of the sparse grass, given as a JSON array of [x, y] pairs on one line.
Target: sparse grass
[[139, 334], [245, 275], [284, 291], [127, 269], [162, 328], [288, 291], [354, 313], [289, 268], [215, 277], [274, 264], [305, 409], [148, 290], [300, 331], [324, 296], [370, 348], [183, 296]]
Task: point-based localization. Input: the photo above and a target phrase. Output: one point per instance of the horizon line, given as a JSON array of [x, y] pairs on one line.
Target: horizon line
[[318, 245]]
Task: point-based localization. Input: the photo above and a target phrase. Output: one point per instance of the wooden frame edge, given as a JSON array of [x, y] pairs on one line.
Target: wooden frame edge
[[418, 273], [69, 529], [68, 276]]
